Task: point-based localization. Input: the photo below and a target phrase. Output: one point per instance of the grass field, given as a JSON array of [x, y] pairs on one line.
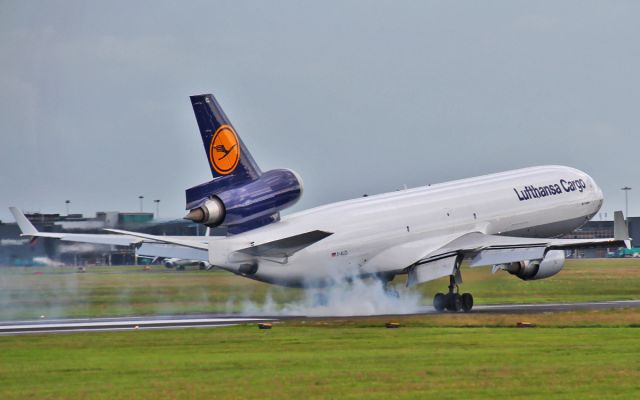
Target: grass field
[[568, 355], [346, 359], [110, 291]]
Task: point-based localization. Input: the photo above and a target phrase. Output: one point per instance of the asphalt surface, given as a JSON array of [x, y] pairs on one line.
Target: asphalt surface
[[555, 307], [217, 320], [123, 323]]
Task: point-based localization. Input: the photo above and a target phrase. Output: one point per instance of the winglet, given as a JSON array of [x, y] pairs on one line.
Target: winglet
[[620, 228], [25, 225]]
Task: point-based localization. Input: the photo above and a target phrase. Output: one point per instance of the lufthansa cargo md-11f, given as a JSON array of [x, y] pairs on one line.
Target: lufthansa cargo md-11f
[[501, 220]]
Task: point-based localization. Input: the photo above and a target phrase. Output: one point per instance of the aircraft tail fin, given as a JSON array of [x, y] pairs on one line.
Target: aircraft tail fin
[[226, 153]]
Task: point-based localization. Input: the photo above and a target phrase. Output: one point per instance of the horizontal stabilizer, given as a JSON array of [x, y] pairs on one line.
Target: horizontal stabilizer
[[285, 247]]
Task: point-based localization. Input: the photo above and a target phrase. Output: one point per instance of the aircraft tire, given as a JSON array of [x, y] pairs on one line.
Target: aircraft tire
[[454, 302], [439, 302], [467, 302]]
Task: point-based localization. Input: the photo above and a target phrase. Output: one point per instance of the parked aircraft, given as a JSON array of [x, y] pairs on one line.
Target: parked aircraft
[[505, 220], [180, 264]]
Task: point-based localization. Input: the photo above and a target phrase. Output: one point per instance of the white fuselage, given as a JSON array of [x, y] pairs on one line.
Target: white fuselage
[[386, 233]]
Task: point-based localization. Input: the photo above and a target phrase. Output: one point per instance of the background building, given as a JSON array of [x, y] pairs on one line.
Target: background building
[[600, 230], [20, 251]]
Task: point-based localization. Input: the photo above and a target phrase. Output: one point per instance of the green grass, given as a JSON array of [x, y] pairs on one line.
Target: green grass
[[110, 291], [569, 355], [349, 360]]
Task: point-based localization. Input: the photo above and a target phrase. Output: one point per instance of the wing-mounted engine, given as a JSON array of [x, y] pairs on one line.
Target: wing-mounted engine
[[244, 205], [550, 265]]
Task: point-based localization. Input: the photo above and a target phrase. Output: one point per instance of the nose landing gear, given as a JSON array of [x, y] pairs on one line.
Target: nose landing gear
[[453, 301]]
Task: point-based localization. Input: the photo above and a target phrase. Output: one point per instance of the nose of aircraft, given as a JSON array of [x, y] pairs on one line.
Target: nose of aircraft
[[597, 192], [596, 189]]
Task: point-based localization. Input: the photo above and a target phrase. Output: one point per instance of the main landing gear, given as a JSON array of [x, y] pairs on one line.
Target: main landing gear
[[453, 301]]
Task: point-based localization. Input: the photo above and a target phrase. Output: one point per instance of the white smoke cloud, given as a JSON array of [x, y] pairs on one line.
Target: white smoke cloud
[[352, 297]]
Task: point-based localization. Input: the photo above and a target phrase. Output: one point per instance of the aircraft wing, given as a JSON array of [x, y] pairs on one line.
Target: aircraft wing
[[483, 250], [28, 229], [146, 245]]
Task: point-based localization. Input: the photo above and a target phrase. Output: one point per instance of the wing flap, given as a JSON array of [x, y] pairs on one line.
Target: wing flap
[[172, 251], [115, 240], [509, 255], [432, 270], [195, 244]]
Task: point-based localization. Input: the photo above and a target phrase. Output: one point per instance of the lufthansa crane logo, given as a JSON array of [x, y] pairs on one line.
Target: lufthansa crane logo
[[224, 150]]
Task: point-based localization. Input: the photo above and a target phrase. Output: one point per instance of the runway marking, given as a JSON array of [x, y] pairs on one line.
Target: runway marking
[[36, 326], [556, 305], [80, 330], [131, 322]]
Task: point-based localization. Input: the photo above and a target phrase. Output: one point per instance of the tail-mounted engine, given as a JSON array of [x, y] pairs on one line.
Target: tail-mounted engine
[[236, 206], [550, 265], [240, 196]]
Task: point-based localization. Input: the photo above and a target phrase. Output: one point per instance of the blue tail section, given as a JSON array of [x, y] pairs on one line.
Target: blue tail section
[[239, 196], [227, 155]]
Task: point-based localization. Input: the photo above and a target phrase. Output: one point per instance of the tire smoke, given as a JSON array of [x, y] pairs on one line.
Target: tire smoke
[[354, 296]]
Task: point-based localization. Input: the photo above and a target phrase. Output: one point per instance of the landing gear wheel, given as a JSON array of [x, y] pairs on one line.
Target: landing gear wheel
[[439, 302], [467, 302], [454, 302]]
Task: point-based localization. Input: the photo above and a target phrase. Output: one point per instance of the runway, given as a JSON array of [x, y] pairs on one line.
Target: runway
[[218, 320], [123, 323], [555, 307]]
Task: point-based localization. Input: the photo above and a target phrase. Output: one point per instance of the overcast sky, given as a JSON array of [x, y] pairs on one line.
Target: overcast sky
[[357, 96]]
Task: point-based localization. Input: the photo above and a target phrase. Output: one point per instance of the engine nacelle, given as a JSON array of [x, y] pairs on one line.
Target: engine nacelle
[[210, 213], [550, 265], [272, 192]]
